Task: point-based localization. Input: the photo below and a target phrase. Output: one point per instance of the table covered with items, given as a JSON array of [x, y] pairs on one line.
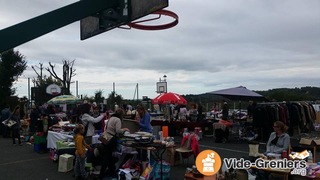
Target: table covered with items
[[54, 137], [175, 126], [60, 140], [295, 164], [143, 141], [130, 145]]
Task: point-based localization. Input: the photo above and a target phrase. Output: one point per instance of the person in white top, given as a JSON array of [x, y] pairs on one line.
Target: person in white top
[[88, 121], [116, 107], [183, 112]]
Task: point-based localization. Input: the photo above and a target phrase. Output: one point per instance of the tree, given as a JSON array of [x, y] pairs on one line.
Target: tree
[[114, 98], [67, 73], [98, 96], [42, 81], [12, 65]]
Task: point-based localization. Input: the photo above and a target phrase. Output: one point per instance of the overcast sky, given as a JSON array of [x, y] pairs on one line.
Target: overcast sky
[[217, 44]]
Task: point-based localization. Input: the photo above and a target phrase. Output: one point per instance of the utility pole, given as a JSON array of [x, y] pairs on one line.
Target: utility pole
[[77, 88], [137, 91]]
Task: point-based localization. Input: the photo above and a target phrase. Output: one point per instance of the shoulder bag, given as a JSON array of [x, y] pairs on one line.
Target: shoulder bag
[[106, 140]]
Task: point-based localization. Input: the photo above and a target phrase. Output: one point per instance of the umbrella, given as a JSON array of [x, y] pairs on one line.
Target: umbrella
[[239, 93], [64, 99], [169, 98]]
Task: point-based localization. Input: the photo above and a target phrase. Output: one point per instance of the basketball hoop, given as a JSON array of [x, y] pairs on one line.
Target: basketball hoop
[[138, 25], [54, 93]]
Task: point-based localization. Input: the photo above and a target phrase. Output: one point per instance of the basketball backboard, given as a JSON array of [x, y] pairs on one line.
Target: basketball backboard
[[125, 12], [161, 87], [53, 89]]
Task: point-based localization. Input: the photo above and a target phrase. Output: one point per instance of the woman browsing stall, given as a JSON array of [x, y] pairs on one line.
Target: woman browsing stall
[[88, 121], [109, 143], [144, 122]]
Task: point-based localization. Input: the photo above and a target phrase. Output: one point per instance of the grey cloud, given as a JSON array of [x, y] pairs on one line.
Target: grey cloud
[[217, 44]]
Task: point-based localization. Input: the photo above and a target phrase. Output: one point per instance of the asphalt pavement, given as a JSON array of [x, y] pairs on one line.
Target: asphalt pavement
[[22, 162]]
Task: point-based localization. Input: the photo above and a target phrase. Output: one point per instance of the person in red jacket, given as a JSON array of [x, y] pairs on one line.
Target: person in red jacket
[[80, 153]]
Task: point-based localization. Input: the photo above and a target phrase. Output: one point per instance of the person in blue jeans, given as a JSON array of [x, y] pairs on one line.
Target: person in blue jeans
[[16, 127], [80, 153]]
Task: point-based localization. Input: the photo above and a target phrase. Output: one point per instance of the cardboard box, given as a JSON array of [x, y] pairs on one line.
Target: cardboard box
[[317, 141], [310, 141], [306, 141], [65, 162]]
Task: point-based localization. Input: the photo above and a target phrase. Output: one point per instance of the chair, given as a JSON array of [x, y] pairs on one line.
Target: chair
[[289, 149], [220, 132], [189, 147], [187, 154]]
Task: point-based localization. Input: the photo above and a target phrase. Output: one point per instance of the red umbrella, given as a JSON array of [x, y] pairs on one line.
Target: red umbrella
[[169, 98]]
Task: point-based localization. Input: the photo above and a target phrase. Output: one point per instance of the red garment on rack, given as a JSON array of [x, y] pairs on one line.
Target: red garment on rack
[[227, 123], [282, 114], [194, 145]]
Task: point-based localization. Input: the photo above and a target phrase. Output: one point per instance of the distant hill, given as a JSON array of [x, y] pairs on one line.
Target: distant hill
[[295, 94], [281, 94]]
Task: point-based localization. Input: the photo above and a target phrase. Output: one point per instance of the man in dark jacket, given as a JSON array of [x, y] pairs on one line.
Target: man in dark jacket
[[5, 114], [34, 116]]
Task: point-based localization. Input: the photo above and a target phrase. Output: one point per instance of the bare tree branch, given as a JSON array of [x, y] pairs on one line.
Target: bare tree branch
[[35, 70], [53, 73], [67, 73]]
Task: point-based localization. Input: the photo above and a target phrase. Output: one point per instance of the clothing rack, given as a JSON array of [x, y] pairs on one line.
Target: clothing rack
[[284, 102], [296, 123], [271, 103]]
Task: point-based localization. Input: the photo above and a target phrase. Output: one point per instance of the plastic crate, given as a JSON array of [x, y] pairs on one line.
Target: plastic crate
[[65, 162], [39, 139], [37, 147]]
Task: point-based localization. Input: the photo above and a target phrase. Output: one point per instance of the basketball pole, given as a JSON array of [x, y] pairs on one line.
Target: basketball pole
[[33, 28], [77, 88]]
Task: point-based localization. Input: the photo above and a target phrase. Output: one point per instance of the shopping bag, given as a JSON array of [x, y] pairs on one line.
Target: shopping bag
[[126, 174], [147, 172], [128, 164], [156, 171], [105, 141]]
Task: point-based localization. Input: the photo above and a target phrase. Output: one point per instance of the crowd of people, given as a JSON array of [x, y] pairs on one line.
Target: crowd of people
[[192, 112], [89, 120]]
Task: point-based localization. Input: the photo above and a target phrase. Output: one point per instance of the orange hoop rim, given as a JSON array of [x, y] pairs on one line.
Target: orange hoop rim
[[136, 24]]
